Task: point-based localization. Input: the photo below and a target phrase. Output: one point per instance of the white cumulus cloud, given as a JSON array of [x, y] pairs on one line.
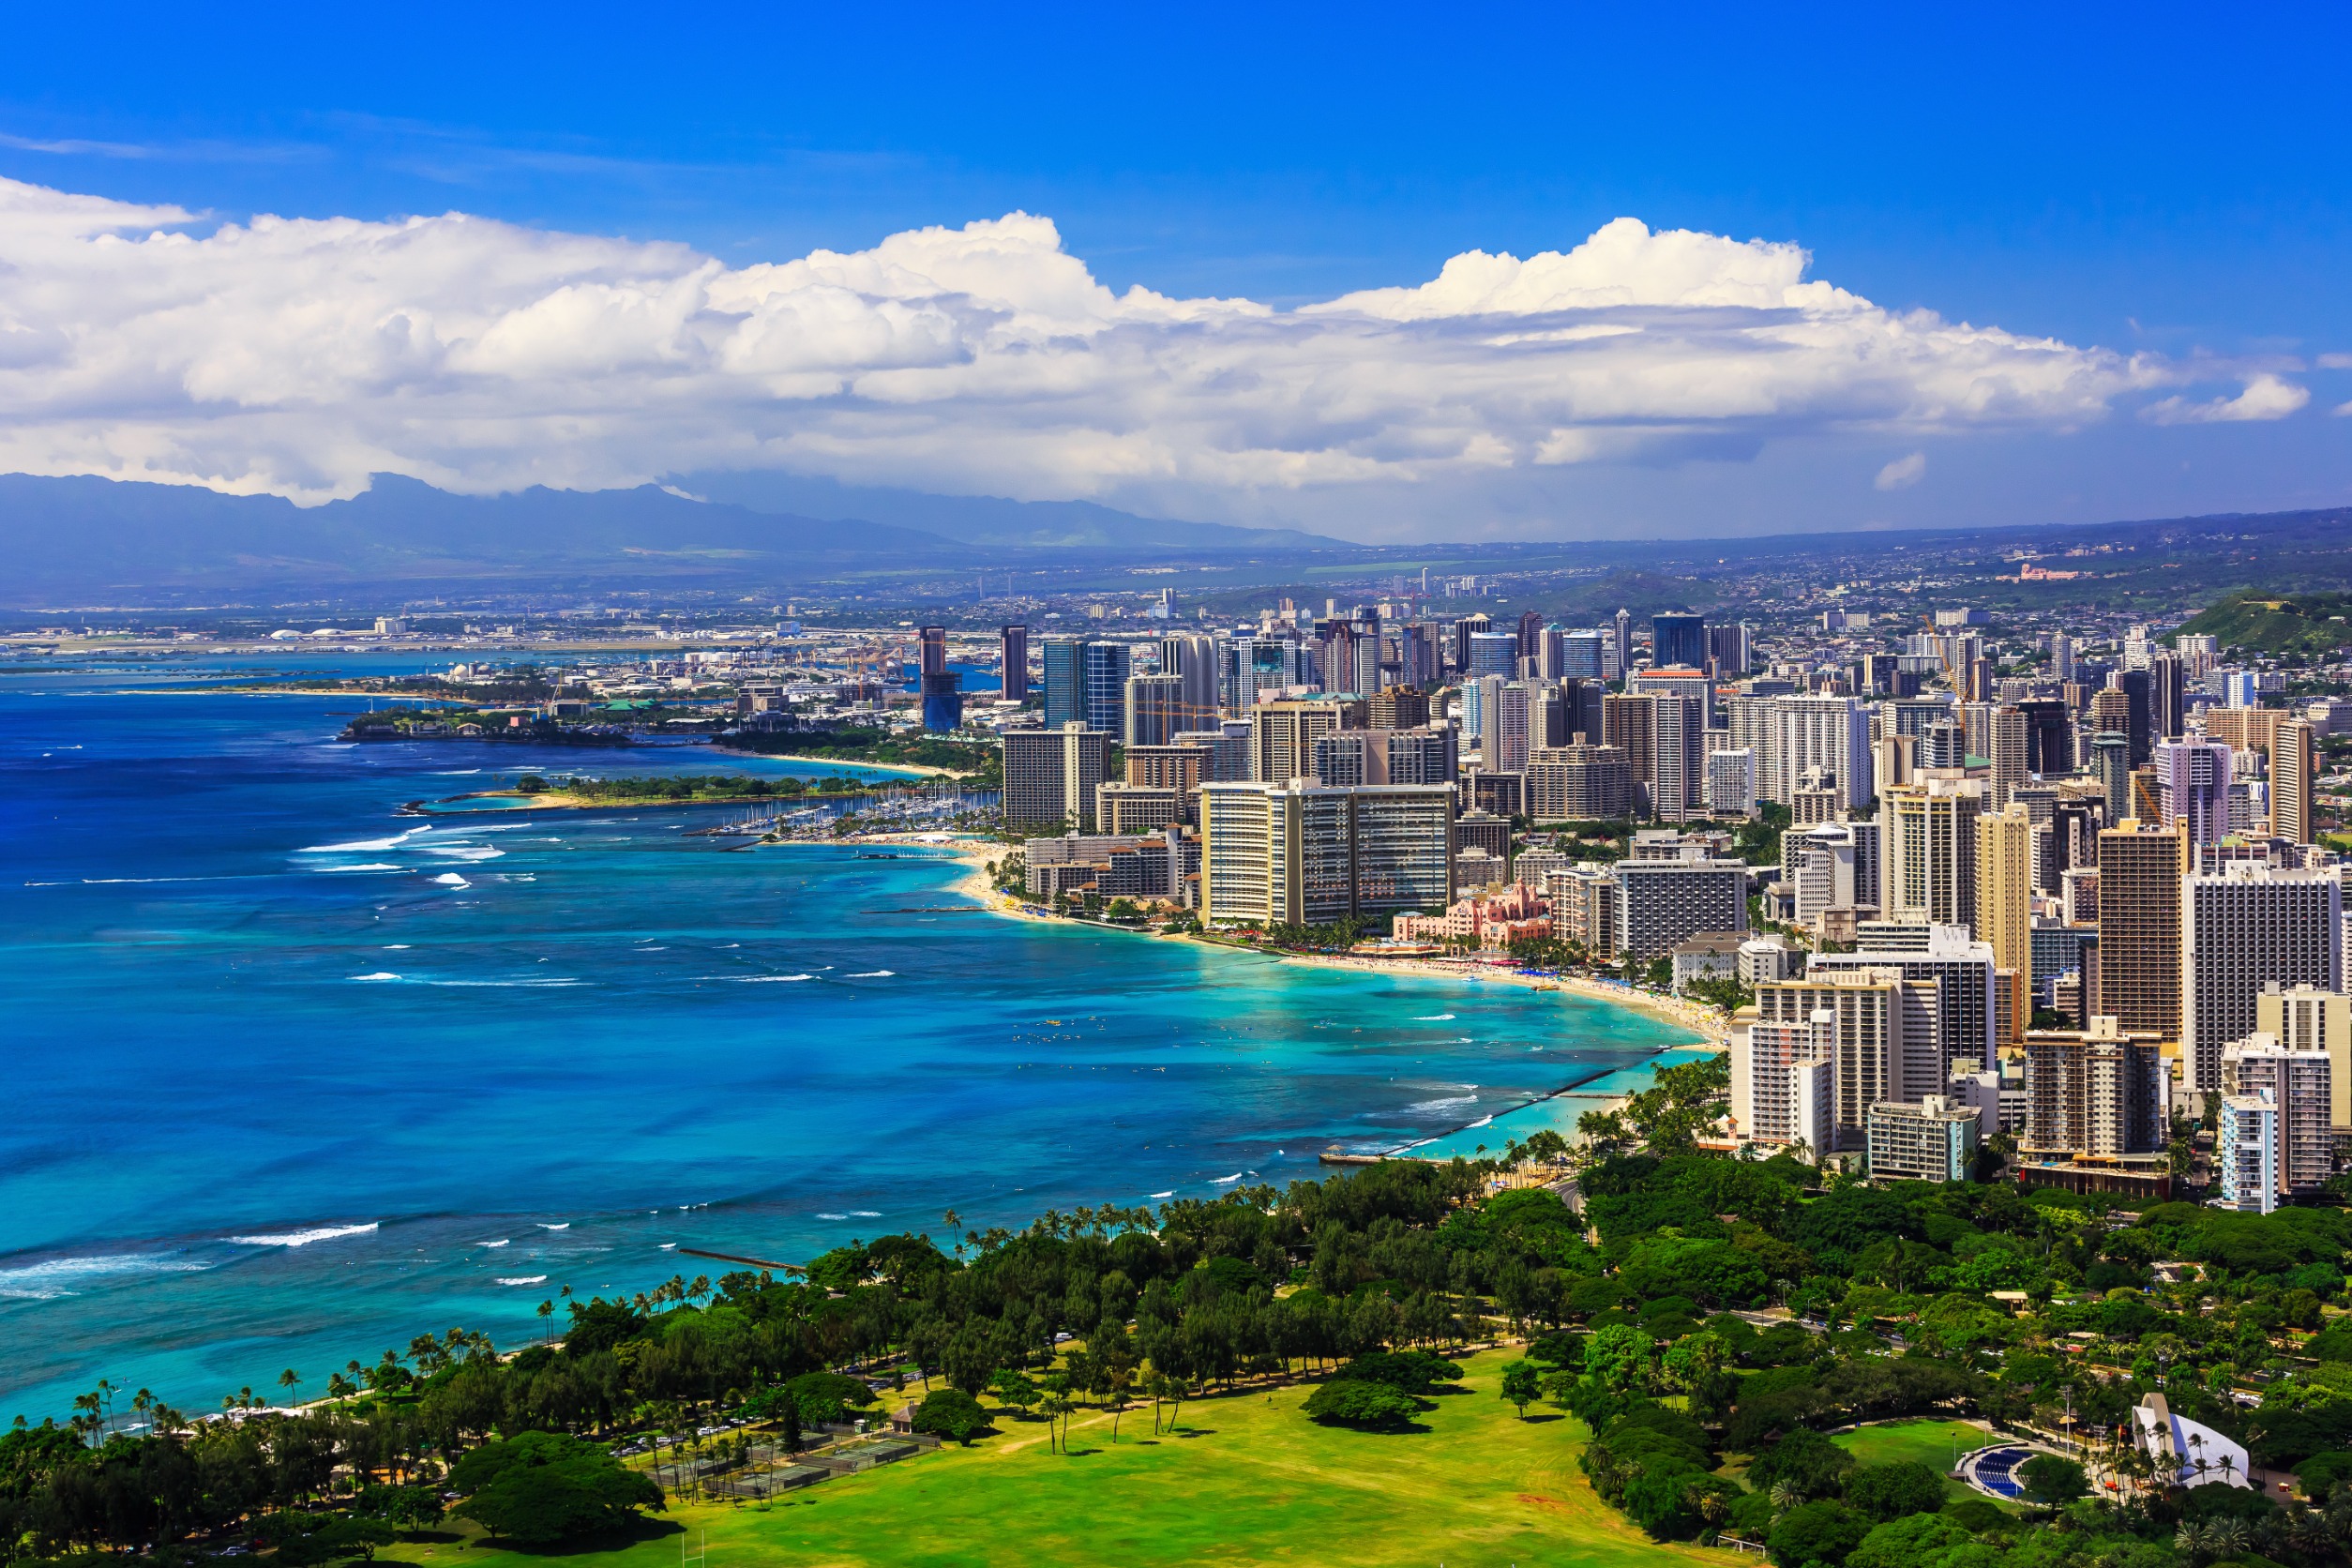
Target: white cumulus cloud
[[1903, 472], [2265, 396], [298, 357]]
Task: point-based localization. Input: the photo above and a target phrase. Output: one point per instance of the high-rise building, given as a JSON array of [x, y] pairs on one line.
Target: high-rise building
[[2193, 779], [1559, 712], [1303, 854], [1493, 653], [1678, 642], [1679, 772], [1531, 632], [1730, 650], [1126, 809], [1282, 737], [1086, 682], [2140, 868], [932, 643], [1464, 629], [1580, 782], [1584, 910], [1015, 642], [2243, 926], [1622, 626], [2246, 1153], [1192, 658], [2293, 774], [1424, 756], [1630, 724], [1662, 904], [1731, 783], [1961, 970], [942, 700], [2111, 765], [1754, 722], [2005, 737], [2098, 1092], [1050, 776], [1882, 1037], [1581, 655], [1784, 1078], [1931, 851], [2307, 1018], [1830, 733], [1933, 1140], [2004, 902], [2298, 1084], [1156, 712], [1495, 716], [1400, 707]]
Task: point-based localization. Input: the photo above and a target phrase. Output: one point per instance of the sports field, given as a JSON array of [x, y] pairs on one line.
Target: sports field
[[1246, 1479]]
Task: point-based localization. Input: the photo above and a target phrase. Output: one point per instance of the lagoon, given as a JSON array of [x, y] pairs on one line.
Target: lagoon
[[294, 1078]]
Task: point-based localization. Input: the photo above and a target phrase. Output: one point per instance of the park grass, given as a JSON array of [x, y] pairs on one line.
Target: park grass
[[1925, 1440], [1246, 1479]]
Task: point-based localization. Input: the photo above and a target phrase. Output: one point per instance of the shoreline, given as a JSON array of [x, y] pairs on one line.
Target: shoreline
[[1710, 1030]]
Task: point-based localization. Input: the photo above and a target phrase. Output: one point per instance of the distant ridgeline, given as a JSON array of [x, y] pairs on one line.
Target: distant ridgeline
[[2278, 622]]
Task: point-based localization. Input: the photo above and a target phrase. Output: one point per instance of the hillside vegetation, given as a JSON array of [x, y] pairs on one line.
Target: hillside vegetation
[[2268, 623]]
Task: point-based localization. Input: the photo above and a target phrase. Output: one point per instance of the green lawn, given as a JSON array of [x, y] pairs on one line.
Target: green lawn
[[1248, 1480], [1933, 1443]]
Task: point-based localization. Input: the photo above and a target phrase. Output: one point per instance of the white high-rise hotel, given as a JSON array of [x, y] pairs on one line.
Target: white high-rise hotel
[[2241, 927]]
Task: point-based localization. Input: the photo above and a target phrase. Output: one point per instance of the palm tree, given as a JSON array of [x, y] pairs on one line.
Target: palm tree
[[1786, 1495], [289, 1380], [2227, 1537], [546, 1311], [1709, 1505], [954, 1222], [2189, 1540]]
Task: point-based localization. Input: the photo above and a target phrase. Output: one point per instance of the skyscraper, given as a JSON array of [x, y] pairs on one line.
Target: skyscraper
[[1192, 658], [1630, 724], [1156, 712], [2111, 764], [2244, 926], [1282, 737], [2294, 773], [2004, 903], [1531, 634], [2311, 1018], [1050, 776], [1624, 628], [1679, 778], [1015, 656], [933, 641], [1882, 1033], [2192, 784], [1493, 653], [1086, 682], [1300, 853], [1678, 642], [2297, 1084], [1832, 733], [2097, 1092], [2140, 868], [1931, 851]]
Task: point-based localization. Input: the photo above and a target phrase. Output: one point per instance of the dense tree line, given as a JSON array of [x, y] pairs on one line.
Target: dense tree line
[[2028, 1306]]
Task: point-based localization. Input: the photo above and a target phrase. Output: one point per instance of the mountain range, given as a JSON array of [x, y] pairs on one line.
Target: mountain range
[[86, 539]]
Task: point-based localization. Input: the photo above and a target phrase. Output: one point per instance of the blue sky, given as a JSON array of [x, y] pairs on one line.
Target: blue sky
[[2144, 182]]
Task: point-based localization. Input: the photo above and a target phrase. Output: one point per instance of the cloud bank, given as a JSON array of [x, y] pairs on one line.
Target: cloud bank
[[298, 357]]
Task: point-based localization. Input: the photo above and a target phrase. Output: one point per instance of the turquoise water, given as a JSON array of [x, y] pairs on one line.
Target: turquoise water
[[294, 1078]]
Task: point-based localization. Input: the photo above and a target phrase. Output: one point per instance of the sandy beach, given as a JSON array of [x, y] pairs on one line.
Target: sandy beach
[[1708, 1024]]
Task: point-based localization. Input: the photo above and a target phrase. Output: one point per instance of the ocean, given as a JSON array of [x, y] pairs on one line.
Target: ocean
[[295, 1076]]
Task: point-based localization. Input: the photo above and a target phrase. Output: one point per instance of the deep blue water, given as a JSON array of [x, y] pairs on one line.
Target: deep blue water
[[292, 1077]]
